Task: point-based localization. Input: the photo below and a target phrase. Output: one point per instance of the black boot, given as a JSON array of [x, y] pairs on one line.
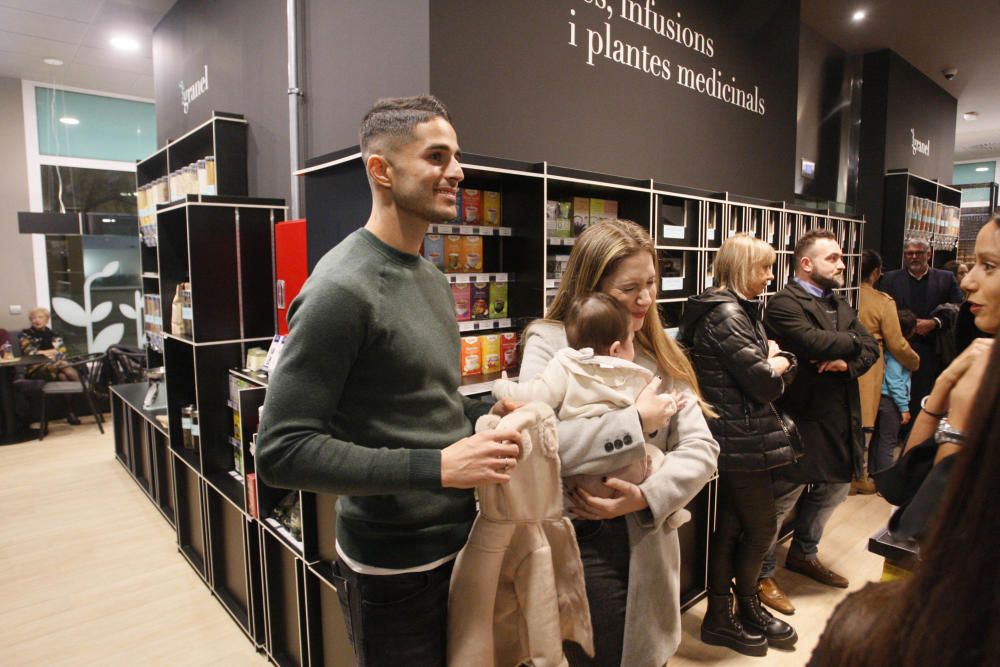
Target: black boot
[[756, 618], [722, 628]]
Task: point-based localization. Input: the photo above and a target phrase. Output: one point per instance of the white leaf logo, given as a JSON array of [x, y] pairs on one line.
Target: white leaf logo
[[108, 337], [100, 311], [69, 311], [127, 310]]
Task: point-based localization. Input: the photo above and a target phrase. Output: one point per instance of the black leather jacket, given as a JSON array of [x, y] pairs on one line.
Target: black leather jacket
[[725, 336]]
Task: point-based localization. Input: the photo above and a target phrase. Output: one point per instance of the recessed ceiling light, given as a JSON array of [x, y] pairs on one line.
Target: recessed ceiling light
[[69, 120], [859, 15], [982, 168], [970, 115], [123, 43], [55, 62]]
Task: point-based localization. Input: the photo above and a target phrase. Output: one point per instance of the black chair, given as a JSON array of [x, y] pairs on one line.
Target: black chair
[[126, 364], [88, 367]]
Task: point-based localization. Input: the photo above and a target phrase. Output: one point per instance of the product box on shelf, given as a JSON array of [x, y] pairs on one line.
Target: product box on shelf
[[601, 210], [508, 350], [472, 207], [491, 353], [453, 253], [472, 355], [252, 495], [434, 250], [581, 215], [557, 219], [472, 254], [491, 208], [462, 293], [480, 300], [498, 300]]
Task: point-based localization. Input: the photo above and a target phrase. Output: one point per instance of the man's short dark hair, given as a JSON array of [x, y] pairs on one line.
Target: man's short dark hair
[[596, 320], [394, 118], [807, 241], [907, 321]]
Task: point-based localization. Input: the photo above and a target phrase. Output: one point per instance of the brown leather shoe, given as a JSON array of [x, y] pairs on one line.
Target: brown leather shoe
[[817, 571], [864, 487], [771, 594]]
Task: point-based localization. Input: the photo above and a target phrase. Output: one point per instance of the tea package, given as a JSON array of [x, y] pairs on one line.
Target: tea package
[[462, 293], [472, 207], [498, 300], [452, 253], [434, 250], [472, 355], [472, 254], [491, 208], [480, 301], [508, 351], [491, 353]]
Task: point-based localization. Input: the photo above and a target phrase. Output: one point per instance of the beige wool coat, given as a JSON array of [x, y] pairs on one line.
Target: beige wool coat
[[653, 608], [877, 312], [517, 590]]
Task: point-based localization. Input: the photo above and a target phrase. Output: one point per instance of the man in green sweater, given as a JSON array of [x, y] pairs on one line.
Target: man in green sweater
[[365, 404]]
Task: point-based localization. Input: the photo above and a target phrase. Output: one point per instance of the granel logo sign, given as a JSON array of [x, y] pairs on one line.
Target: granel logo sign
[[194, 91], [922, 147]]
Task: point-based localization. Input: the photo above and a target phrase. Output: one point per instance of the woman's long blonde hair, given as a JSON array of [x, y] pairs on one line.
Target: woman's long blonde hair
[[597, 253]]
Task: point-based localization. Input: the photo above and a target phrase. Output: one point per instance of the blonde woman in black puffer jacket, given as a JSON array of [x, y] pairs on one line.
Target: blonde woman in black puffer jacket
[[740, 373]]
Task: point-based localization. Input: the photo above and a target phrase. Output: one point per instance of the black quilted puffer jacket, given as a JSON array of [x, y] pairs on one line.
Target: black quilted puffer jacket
[[727, 343]]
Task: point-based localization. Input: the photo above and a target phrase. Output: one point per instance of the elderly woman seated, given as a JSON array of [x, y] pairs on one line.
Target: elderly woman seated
[[39, 339]]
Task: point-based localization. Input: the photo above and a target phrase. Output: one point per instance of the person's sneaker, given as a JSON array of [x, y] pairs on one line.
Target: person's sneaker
[[817, 571], [771, 595]]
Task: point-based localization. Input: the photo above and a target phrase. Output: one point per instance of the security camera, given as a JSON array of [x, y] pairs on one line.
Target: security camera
[[950, 72]]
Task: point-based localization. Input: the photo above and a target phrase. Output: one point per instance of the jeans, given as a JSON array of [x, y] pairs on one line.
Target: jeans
[[886, 438], [744, 531], [398, 619], [815, 508], [604, 551]]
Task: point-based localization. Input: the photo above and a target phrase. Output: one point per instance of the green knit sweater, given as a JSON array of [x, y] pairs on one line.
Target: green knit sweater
[[364, 398]]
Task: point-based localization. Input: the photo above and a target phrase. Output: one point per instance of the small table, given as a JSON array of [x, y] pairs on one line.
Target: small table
[[8, 372], [902, 554]]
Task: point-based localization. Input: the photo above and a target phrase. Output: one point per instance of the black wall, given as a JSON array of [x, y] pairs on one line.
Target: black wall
[[354, 52], [518, 89], [515, 86], [244, 45], [895, 98], [821, 108]]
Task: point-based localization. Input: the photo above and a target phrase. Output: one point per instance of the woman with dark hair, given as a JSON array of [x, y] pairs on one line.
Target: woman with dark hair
[[946, 613], [877, 312]]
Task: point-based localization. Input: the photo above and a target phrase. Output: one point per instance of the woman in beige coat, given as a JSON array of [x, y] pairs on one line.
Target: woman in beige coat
[[877, 312], [630, 550]]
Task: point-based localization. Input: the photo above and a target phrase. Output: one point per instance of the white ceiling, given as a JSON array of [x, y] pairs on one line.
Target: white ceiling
[[931, 36], [78, 32]]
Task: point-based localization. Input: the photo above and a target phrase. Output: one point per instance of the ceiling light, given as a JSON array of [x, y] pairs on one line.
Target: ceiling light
[[69, 120], [55, 62], [982, 168], [970, 115], [859, 15], [123, 43]]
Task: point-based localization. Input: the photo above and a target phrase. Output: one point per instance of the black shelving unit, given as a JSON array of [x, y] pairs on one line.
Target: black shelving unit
[[902, 189], [975, 212]]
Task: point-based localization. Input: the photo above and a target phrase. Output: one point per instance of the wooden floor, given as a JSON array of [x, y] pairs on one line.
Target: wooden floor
[[90, 573]]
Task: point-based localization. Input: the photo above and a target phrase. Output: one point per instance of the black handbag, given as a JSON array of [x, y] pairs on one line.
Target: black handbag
[[791, 431]]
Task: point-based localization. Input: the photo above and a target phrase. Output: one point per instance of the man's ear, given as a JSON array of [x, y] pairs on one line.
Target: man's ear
[[806, 264], [379, 170]]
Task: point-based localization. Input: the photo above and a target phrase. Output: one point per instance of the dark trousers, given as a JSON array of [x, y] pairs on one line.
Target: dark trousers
[[396, 620], [886, 438], [744, 531], [604, 551]]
